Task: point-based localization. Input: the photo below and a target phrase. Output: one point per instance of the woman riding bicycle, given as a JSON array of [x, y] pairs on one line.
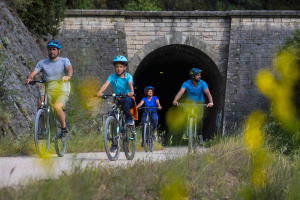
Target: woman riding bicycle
[[150, 101]]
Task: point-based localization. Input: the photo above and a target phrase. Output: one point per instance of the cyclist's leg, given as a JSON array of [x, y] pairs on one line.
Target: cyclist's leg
[[154, 121], [126, 104], [40, 100], [60, 102]]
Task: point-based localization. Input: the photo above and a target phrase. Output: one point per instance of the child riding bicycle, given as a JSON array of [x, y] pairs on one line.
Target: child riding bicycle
[[122, 83], [150, 101]]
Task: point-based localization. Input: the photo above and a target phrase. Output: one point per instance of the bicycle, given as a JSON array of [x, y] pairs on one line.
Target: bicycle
[[45, 125], [113, 134], [191, 128], [148, 129]]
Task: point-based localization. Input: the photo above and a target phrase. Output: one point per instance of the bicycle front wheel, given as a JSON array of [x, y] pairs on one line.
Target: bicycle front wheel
[[130, 143], [191, 135], [41, 134], [151, 138], [111, 138], [146, 135], [60, 147]]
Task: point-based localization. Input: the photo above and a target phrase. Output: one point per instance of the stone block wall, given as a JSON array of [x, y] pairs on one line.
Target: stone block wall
[[214, 31], [254, 42], [246, 40], [91, 43]]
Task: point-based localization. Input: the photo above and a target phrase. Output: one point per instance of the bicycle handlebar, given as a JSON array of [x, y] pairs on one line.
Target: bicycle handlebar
[[190, 104], [34, 82], [105, 96], [140, 108]]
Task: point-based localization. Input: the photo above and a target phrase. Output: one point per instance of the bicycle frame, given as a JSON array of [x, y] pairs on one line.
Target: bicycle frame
[[117, 113], [194, 116], [50, 113], [148, 122]]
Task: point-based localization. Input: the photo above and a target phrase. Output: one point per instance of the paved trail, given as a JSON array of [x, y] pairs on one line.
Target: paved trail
[[15, 170]]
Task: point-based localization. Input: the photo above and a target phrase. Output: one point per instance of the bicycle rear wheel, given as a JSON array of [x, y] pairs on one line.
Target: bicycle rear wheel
[[130, 143], [191, 135], [60, 147], [41, 134], [111, 138]]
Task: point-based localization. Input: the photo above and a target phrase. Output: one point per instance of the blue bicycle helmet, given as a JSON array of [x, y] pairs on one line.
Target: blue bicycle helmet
[[148, 88], [54, 43], [120, 59], [194, 71]]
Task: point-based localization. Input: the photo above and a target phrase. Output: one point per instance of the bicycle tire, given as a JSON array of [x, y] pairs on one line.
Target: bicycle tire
[[151, 139], [190, 144], [145, 137], [130, 143], [195, 143], [110, 134], [44, 134], [60, 147]]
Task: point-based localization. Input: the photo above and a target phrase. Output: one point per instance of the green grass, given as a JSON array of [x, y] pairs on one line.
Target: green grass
[[223, 172], [80, 143]]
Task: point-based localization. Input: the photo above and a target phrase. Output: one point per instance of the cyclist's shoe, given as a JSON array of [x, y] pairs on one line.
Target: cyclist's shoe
[[142, 145], [113, 148], [129, 122], [64, 135]]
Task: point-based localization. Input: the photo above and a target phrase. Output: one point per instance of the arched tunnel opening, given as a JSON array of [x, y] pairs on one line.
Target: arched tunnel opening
[[166, 69]]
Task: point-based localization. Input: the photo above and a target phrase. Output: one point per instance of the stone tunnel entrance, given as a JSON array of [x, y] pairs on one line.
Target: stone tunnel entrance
[[167, 67]]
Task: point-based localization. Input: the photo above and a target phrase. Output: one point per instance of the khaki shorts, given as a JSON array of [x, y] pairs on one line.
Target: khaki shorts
[[61, 97]]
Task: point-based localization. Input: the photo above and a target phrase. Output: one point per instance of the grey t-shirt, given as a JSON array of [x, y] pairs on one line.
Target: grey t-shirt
[[54, 70]]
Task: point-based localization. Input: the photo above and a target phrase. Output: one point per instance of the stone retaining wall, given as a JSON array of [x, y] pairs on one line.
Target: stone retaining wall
[[245, 40]]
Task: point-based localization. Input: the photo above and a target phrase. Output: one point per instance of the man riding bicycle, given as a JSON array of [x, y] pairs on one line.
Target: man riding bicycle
[[195, 88], [55, 69]]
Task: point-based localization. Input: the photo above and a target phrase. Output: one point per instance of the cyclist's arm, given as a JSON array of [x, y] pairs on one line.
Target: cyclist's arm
[[158, 104], [207, 92], [178, 95], [69, 70], [30, 76], [140, 104], [103, 88], [130, 85]]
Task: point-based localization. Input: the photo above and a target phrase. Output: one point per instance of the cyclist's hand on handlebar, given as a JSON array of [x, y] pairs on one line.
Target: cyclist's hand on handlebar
[[99, 94], [210, 104], [27, 81], [65, 78], [175, 103], [159, 108], [130, 94]]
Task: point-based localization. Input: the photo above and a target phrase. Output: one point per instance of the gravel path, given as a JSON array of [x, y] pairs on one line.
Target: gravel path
[[16, 170]]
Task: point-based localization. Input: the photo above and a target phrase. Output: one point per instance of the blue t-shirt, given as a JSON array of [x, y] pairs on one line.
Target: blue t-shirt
[[195, 95], [150, 103], [120, 84], [54, 70]]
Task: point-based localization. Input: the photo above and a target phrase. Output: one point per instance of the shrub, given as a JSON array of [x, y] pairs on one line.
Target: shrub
[[144, 5], [42, 16]]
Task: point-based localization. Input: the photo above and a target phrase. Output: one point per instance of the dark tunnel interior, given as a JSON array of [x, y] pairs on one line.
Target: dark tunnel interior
[[167, 68]]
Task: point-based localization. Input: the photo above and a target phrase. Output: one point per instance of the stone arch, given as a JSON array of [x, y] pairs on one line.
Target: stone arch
[[177, 38], [190, 51]]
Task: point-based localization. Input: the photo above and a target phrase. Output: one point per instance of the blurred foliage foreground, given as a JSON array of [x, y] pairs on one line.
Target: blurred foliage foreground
[[223, 172]]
